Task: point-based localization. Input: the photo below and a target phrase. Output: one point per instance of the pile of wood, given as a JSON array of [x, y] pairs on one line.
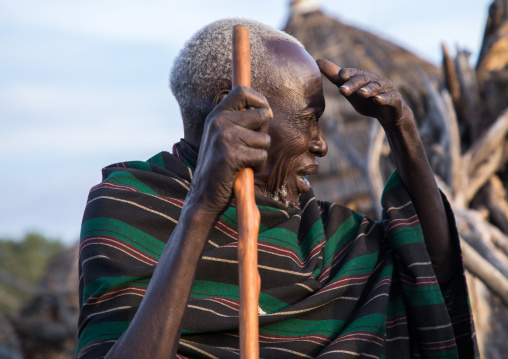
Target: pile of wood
[[462, 114]]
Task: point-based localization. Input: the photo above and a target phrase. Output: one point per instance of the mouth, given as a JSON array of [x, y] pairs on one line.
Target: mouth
[[301, 180], [303, 184]]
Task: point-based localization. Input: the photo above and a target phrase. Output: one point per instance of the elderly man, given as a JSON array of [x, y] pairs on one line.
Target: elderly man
[[158, 256]]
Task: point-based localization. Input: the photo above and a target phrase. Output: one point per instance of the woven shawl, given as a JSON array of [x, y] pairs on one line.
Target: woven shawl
[[334, 283]]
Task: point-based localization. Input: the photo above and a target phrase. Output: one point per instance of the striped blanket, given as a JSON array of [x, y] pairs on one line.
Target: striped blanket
[[334, 283]]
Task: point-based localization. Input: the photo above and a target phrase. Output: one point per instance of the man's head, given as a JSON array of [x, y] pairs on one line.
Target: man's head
[[203, 67], [284, 73]]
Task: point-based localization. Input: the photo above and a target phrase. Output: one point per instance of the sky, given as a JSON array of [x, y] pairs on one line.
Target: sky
[[84, 84]]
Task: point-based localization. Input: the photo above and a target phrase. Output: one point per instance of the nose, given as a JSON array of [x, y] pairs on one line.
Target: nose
[[318, 146]]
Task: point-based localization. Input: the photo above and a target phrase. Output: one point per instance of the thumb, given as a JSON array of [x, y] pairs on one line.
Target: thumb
[[330, 70]]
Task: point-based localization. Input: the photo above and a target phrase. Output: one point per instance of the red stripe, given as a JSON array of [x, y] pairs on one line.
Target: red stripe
[[407, 222], [120, 245], [95, 298], [392, 322], [314, 338], [289, 253], [373, 337]]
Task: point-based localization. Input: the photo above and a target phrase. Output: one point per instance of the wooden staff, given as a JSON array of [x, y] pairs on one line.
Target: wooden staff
[[248, 219]]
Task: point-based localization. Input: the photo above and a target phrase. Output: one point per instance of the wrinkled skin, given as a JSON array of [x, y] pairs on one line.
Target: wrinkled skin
[[297, 103], [234, 139]]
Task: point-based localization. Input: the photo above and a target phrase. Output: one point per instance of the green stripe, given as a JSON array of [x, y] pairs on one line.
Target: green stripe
[[342, 236], [157, 160], [125, 233], [229, 216], [101, 331], [315, 235], [447, 354], [140, 165], [423, 296], [128, 179], [298, 327], [392, 182], [405, 235], [375, 323], [358, 265], [281, 237]]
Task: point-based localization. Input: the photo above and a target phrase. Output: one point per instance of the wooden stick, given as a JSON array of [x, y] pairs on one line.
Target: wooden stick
[[248, 219]]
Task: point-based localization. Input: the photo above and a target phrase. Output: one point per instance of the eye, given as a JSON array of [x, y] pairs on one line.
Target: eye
[[307, 119]]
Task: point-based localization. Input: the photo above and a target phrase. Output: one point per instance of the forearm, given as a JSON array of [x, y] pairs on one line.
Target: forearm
[[374, 96], [155, 330], [416, 174]]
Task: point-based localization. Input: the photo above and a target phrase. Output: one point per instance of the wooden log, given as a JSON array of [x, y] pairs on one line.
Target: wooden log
[[492, 65], [482, 269], [489, 143], [468, 104], [483, 172], [450, 76], [496, 201], [479, 234]]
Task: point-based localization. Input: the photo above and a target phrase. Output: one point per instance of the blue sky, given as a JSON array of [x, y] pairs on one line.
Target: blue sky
[[83, 84]]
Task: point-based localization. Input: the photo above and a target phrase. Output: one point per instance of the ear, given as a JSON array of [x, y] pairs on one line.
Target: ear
[[220, 96]]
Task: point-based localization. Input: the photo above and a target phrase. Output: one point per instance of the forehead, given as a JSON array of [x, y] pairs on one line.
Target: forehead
[[295, 77]]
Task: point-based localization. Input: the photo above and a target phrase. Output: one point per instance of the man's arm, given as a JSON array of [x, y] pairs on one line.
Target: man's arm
[[371, 95], [231, 141]]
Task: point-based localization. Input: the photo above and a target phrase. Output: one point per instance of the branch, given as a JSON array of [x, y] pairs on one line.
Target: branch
[[482, 269], [442, 117], [495, 200], [478, 233], [450, 74], [487, 143], [483, 172]]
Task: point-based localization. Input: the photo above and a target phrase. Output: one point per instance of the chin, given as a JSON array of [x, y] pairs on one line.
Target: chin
[[283, 197]]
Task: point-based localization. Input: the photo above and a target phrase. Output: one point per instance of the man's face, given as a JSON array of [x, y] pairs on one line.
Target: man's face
[[297, 102]]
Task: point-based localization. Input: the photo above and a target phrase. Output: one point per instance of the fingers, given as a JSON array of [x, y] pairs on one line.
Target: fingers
[[354, 80], [230, 109], [242, 98], [357, 81], [390, 98], [252, 157], [330, 70], [241, 138], [236, 128]]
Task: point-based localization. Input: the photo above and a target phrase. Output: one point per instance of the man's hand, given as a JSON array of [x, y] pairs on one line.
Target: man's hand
[[370, 94], [234, 138], [374, 96]]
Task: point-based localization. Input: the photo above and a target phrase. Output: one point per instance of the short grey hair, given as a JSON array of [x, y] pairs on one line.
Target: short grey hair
[[203, 66]]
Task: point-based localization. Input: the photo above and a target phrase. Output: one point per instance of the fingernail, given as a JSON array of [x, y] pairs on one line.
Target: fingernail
[[270, 112], [345, 88]]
